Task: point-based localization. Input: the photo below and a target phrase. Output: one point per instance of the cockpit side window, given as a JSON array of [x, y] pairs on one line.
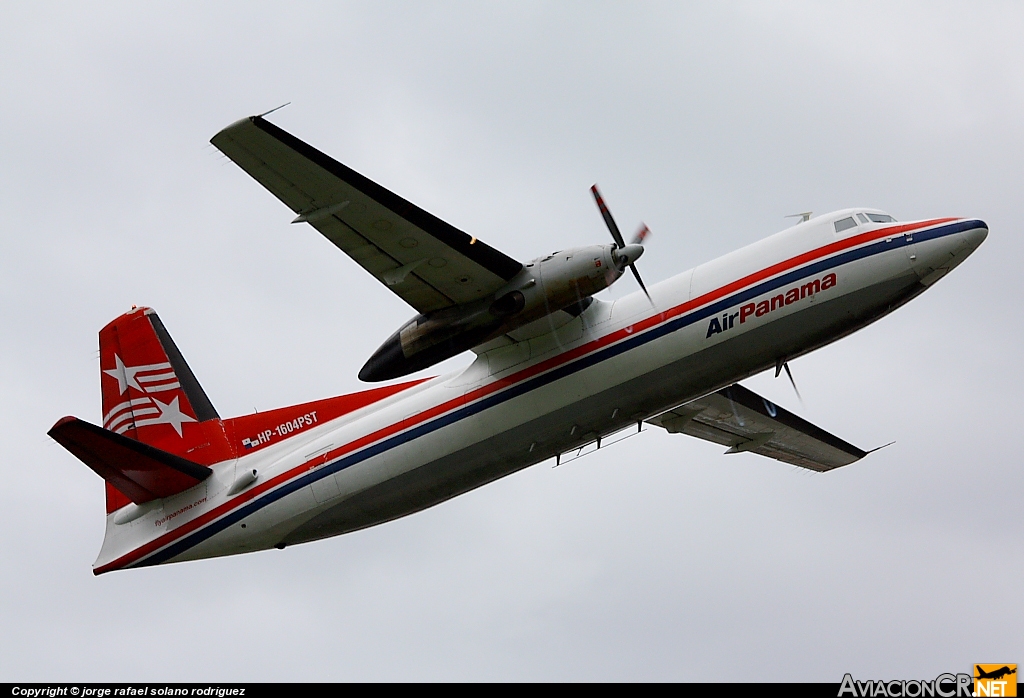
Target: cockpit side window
[[862, 218], [845, 224], [881, 218]]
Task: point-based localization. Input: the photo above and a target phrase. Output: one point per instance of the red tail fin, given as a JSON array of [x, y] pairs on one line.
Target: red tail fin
[[149, 392], [151, 395]]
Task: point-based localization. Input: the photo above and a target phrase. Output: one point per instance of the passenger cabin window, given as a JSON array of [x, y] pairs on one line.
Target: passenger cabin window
[[881, 218], [845, 224], [862, 218]]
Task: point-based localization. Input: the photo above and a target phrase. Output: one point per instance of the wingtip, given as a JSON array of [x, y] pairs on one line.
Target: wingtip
[[243, 122], [234, 125], [59, 423]]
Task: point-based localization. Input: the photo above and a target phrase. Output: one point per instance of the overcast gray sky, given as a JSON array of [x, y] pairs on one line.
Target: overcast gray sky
[[656, 559]]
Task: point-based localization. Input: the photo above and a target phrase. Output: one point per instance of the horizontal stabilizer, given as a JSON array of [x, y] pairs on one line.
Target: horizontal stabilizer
[[139, 471], [744, 421]]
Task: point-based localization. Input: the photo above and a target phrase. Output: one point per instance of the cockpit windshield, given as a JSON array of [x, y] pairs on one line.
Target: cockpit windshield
[[861, 218], [881, 218]]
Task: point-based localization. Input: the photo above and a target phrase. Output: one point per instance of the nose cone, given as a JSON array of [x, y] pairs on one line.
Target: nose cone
[[944, 248], [625, 256], [975, 235]]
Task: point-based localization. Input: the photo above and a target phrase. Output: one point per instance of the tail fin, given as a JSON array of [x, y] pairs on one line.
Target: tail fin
[[146, 382], [151, 395]]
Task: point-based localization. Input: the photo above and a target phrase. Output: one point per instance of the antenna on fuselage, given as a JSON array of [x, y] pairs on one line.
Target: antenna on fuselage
[[782, 364], [804, 217]]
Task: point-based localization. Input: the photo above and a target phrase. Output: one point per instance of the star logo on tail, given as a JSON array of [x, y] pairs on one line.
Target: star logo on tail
[[145, 411], [124, 375], [170, 413]]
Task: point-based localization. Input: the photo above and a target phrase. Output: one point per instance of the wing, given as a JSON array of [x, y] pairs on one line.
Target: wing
[[427, 262], [744, 421]]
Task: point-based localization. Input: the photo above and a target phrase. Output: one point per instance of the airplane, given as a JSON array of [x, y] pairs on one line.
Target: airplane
[[555, 368], [995, 674]]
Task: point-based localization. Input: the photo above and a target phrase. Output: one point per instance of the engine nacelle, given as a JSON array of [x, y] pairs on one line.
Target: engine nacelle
[[560, 281]]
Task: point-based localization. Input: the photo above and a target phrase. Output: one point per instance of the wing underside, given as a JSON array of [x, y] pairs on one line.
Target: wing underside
[[427, 262], [744, 421]]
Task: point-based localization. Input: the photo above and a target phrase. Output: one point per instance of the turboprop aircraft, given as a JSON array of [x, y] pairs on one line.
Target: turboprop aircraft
[[555, 368]]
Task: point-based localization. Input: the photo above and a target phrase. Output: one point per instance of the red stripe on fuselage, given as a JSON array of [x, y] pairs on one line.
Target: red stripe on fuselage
[[497, 385]]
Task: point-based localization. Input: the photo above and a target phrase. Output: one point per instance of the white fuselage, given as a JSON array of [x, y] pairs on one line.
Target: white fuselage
[[516, 405]]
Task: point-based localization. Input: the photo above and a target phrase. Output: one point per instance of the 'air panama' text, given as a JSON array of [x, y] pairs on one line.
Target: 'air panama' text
[[728, 320]]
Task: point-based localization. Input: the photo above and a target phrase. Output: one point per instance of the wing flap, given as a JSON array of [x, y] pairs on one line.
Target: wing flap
[[427, 262], [744, 421], [139, 471]]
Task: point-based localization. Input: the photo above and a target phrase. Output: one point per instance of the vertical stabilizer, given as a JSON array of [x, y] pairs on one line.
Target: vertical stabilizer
[[151, 395]]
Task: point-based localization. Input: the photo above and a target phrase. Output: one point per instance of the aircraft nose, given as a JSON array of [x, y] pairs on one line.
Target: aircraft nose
[[934, 257], [975, 235]]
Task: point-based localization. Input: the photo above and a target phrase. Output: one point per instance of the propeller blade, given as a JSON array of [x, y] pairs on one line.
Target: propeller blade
[[616, 235], [641, 234], [641, 282]]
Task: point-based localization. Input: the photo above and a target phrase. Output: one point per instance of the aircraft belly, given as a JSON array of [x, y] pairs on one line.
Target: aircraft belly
[[508, 448]]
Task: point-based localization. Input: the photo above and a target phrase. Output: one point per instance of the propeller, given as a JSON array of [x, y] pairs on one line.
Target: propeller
[[625, 255]]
